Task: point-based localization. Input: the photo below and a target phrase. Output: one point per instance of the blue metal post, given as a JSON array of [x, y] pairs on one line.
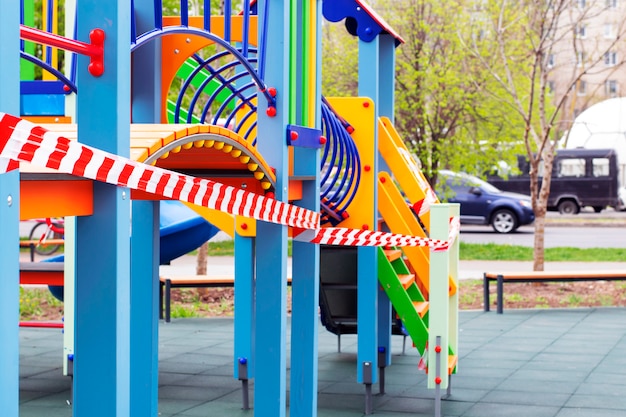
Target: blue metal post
[[271, 249], [304, 316], [9, 216], [144, 292], [102, 326], [385, 107], [144, 309], [367, 259], [305, 277], [244, 303]]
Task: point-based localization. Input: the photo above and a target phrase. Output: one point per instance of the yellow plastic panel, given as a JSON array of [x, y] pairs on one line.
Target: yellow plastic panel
[[359, 112]]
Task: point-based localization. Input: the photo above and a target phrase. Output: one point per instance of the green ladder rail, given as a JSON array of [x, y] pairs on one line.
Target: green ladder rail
[[405, 296], [408, 301]]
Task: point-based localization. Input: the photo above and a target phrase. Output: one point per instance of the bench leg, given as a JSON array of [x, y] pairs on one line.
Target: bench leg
[[160, 300], [168, 299], [500, 294], [485, 292]]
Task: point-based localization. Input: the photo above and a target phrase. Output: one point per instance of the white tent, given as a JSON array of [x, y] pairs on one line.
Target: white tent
[[602, 125]]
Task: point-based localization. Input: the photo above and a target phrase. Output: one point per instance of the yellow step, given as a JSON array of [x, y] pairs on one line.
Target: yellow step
[[406, 280], [421, 307], [393, 254], [452, 360]]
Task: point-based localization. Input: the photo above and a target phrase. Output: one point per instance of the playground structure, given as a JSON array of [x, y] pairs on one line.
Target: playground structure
[[269, 139]]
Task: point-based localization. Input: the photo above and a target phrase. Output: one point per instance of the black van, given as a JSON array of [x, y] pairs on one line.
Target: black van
[[580, 178]]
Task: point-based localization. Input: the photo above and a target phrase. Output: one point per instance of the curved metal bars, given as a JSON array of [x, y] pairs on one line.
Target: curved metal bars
[[340, 164], [58, 74], [158, 33]]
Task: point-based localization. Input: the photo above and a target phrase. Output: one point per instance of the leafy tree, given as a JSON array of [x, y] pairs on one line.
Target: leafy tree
[[441, 112], [517, 44], [340, 76]]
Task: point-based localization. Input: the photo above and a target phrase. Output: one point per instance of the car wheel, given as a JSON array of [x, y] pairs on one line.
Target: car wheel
[[504, 221], [568, 207], [598, 209]]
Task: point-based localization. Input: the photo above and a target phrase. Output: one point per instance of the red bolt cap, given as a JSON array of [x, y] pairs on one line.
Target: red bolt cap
[[294, 135], [367, 168], [345, 215], [269, 195], [366, 104], [96, 69], [438, 349], [244, 226], [322, 140], [96, 36], [365, 227], [383, 179], [437, 380], [350, 129], [66, 88], [271, 111], [272, 91]]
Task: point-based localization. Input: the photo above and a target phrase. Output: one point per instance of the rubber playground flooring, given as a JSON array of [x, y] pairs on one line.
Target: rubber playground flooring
[[539, 363]]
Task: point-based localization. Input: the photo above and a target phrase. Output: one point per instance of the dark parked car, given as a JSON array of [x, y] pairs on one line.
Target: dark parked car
[[482, 203]]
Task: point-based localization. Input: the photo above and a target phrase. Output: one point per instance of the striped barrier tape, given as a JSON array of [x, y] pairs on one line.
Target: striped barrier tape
[[23, 141]]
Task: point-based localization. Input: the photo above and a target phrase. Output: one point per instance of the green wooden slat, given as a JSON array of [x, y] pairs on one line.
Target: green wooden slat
[[171, 111]]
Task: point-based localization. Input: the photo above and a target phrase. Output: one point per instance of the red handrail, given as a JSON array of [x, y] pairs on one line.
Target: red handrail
[[94, 50]]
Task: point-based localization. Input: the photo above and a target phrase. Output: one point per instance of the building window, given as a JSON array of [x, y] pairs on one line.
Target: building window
[[550, 87], [581, 88], [610, 59], [612, 88], [581, 31], [580, 59], [550, 61], [581, 3], [609, 31], [611, 4]]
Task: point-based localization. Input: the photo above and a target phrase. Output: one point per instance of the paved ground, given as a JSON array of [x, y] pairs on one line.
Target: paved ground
[[540, 363]]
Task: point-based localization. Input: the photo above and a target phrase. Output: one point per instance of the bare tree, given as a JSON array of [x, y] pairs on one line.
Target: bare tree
[[541, 54]]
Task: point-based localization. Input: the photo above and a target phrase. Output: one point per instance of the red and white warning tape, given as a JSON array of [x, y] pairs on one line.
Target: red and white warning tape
[[24, 141]]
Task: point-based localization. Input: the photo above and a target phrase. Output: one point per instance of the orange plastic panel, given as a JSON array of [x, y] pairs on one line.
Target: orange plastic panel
[[55, 198]]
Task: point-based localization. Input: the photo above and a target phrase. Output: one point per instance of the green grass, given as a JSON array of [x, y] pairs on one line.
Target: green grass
[[492, 252], [33, 302], [227, 248]]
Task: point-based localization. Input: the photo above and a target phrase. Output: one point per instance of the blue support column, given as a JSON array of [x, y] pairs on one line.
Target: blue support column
[[144, 309], [385, 107], [271, 249], [304, 316], [244, 308], [9, 216], [146, 108], [367, 357], [102, 326], [305, 277]]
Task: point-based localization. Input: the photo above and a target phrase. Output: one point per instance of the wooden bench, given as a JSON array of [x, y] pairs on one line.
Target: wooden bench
[[543, 276], [191, 281]]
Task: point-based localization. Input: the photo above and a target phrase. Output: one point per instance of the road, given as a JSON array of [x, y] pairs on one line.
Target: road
[[579, 237], [585, 230]]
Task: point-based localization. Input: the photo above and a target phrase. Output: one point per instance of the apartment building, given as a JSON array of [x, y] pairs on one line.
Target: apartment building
[[597, 51]]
